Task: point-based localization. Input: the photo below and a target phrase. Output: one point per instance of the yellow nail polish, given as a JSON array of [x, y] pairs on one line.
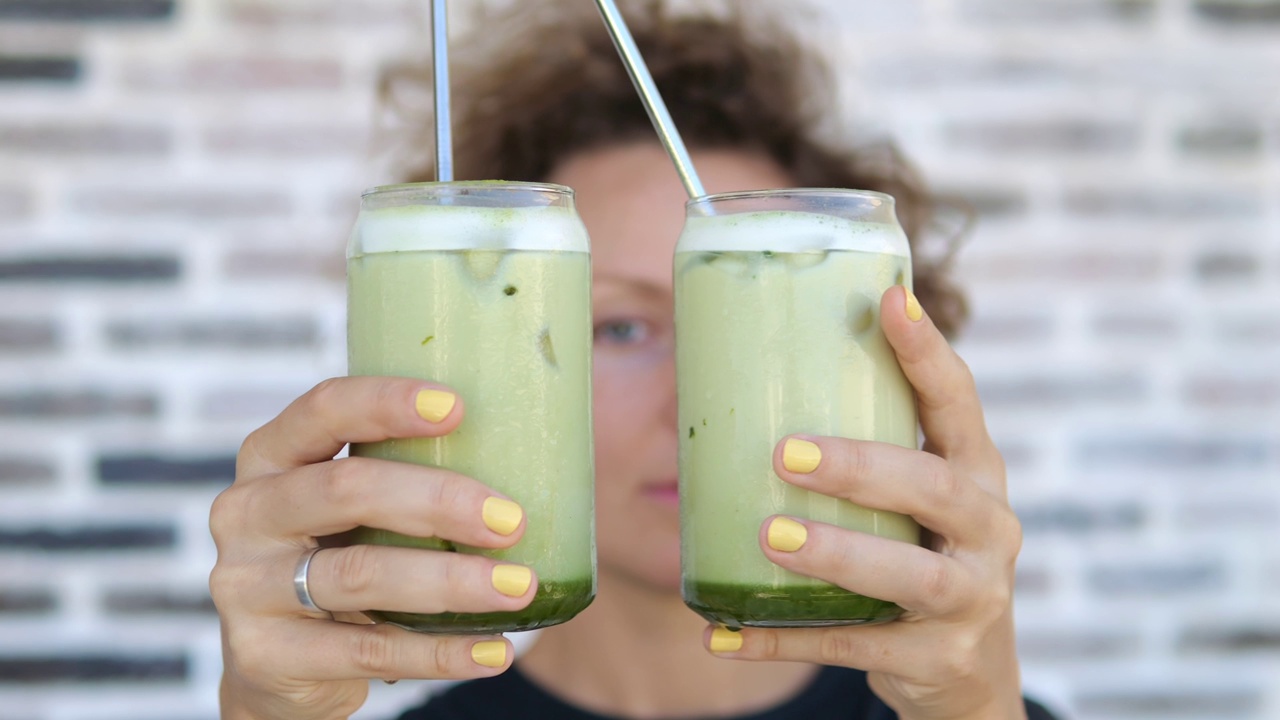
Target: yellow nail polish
[[502, 516], [512, 580], [801, 456], [786, 535], [914, 311], [490, 653], [435, 405], [724, 640]]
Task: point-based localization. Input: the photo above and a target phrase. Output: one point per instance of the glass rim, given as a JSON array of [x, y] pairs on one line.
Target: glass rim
[[499, 186], [790, 192]]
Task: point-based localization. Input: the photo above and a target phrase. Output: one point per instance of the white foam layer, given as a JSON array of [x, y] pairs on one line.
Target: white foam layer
[[417, 228], [786, 231]]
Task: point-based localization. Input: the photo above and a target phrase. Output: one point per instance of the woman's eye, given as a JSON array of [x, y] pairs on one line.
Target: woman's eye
[[622, 332]]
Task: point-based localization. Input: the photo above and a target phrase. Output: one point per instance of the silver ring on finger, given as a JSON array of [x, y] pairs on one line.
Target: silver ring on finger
[[300, 586]]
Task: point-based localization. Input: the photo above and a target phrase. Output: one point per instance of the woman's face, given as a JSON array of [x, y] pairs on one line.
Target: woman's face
[[632, 203]]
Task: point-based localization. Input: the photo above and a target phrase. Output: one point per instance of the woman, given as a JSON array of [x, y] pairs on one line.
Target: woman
[[547, 100]]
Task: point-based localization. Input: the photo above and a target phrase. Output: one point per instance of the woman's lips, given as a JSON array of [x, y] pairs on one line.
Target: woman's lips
[[665, 493]]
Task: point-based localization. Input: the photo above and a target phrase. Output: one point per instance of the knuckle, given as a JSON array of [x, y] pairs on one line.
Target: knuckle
[[937, 583], [943, 481], [342, 482], [835, 648], [857, 460], [373, 651], [356, 569], [767, 645], [224, 516], [446, 659], [250, 653], [960, 659], [223, 586]]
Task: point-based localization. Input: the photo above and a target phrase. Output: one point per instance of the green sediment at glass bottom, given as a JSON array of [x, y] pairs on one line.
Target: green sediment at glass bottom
[[736, 606], [554, 603]]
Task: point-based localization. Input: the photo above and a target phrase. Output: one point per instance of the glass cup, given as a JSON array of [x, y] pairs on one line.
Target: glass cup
[[485, 287], [778, 332]]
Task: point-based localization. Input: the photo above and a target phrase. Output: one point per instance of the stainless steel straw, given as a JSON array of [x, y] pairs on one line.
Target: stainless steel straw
[[440, 53], [653, 103]]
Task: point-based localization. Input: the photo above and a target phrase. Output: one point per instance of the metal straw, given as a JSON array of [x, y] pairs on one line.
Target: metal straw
[[440, 52], [653, 103]]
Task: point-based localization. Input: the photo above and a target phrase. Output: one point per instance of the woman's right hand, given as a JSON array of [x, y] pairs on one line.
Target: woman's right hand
[[281, 661]]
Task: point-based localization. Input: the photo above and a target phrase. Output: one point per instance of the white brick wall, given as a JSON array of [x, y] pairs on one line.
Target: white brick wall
[[174, 197]]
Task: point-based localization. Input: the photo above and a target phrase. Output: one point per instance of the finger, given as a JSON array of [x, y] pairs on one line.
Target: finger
[[394, 579], [335, 496], [915, 578], [345, 410], [321, 650], [950, 412], [875, 648], [884, 476]]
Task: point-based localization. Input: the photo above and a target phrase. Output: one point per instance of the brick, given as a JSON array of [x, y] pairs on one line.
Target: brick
[[1213, 515], [15, 203], [51, 138], [1061, 136], [61, 269], [86, 10], [1236, 392], [32, 601], [1231, 640], [1195, 454], [291, 13], [237, 75], [72, 404], [1225, 266], [1163, 203], [28, 336], [1034, 581], [1246, 13], [1057, 392], [954, 70], [153, 470], [1250, 331], [1221, 139], [1089, 267], [1157, 579], [1077, 644], [92, 668], [301, 142], [986, 329], [15, 68], [18, 470], [1215, 703], [1056, 12], [276, 265], [1147, 327], [1074, 518], [222, 333], [989, 202], [257, 405], [90, 539], [185, 203], [130, 602]]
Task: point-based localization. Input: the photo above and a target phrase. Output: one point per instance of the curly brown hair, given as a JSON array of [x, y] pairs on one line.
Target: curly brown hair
[[542, 81]]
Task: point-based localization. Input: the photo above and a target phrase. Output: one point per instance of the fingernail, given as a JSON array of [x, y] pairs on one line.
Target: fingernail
[[914, 311], [502, 516], [490, 653], [512, 580], [724, 640], [800, 456], [435, 405], [786, 535]]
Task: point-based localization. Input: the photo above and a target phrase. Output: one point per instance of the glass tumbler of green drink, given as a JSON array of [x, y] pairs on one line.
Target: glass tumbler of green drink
[[778, 332], [485, 287]]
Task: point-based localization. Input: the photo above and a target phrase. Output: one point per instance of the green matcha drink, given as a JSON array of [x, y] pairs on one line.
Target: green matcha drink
[[485, 287], [778, 332]]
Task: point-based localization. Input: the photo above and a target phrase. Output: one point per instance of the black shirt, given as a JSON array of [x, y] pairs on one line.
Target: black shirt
[[835, 694]]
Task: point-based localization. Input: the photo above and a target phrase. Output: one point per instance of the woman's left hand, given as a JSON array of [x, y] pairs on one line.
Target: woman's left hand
[[951, 656]]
